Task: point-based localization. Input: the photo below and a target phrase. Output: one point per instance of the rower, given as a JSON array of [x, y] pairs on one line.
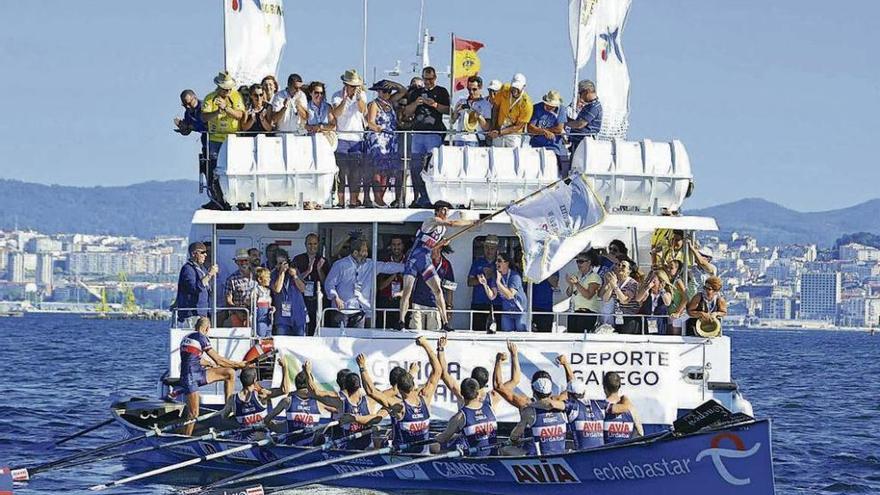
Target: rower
[[194, 372], [543, 425], [419, 263], [507, 390], [353, 407], [410, 409], [250, 405], [475, 421], [301, 409], [621, 420]]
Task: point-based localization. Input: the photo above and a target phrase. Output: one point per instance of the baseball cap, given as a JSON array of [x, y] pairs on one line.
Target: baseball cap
[[543, 385], [518, 81]]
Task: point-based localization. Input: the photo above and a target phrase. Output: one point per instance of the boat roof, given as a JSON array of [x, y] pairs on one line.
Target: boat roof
[[401, 215]]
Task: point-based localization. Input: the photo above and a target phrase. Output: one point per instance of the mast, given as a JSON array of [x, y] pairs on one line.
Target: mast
[[364, 42]]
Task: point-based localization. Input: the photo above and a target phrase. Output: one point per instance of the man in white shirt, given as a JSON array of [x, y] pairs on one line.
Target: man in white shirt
[[349, 285], [349, 106], [472, 115], [284, 106]]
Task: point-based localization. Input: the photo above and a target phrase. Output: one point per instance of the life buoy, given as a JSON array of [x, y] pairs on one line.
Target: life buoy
[[264, 346]]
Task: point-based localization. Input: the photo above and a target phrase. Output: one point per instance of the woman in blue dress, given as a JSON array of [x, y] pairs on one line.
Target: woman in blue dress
[[382, 143], [507, 285]]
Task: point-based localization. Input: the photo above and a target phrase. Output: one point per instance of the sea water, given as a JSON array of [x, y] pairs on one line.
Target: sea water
[[60, 372]]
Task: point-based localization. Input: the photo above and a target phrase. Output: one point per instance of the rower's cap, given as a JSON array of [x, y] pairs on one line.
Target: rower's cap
[[577, 387], [491, 239], [543, 386], [494, 84]]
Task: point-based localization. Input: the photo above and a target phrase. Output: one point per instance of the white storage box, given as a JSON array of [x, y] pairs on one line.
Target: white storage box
[[277, 169], [635, 175], [488, 177]]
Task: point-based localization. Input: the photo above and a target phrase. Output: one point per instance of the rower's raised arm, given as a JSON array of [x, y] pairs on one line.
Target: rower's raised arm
[[436, 371], [367, 383], [325, 397], [507, 390], [447, 378]]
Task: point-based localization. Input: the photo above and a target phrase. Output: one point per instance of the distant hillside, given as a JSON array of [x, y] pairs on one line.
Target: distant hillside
[[771, 223], [144, 210]]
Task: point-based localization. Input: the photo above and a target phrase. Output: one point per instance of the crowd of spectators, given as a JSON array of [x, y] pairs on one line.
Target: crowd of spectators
[[365, 134], [679, 294]]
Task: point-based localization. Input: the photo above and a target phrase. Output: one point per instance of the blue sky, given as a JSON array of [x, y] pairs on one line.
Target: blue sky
[[777, 100]]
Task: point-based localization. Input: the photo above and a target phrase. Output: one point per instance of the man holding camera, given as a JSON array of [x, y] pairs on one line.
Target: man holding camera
[[287, 291], [426, 106], [472, 115]]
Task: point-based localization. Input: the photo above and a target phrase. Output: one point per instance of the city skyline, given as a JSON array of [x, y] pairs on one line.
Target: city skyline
[[745, 105]]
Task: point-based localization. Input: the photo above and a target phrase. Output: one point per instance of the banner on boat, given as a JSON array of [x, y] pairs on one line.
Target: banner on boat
[[649, 371], [553, 226], [255, 38], [612, 75]]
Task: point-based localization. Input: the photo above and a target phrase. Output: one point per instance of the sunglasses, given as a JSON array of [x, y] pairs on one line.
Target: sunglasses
[[317, 92]]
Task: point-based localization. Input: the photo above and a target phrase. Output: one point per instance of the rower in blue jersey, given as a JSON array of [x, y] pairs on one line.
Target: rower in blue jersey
[[621, 420], [250, 406], [194, 348], [354, 409], [301, 410], [474, 424], [542, 427], [410, 409], [419, 264], [586, 417]]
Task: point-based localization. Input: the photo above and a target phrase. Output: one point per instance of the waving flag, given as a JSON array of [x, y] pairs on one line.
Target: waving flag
[[582, 29], [612, 75], [554, 225], [254, 38], [466, 62]]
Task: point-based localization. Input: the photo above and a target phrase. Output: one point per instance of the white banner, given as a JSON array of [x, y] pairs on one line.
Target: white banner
[[612, 75], [554, 226], [255, 38], [582, 29], [649, 371]]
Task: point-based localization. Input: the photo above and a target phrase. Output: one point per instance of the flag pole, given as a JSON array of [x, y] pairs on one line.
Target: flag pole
[[577, 54], [365, 41], [223, 13], [451, 77], [502, 210]]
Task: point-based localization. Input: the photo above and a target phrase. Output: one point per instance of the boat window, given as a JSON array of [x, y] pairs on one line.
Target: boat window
[[230, 226], [284, 227]]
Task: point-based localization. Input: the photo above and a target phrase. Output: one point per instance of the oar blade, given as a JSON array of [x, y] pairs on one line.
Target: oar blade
[[20, 475]]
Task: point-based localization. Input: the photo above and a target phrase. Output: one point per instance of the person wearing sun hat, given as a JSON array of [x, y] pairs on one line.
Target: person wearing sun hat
[[547, 126], [238, 289], [381, 145], [222, 110], [349, 106]]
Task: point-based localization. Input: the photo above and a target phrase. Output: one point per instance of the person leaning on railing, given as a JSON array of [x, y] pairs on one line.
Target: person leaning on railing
[[547, 126], [507, 286], [222, 110], [513, 108], [472, 115], [706, 307], [258, 117], [584, 287]]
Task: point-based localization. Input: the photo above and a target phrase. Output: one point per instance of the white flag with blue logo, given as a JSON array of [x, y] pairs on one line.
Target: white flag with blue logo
[[582, 29], [255, 38], [554, 225], [612, 74]]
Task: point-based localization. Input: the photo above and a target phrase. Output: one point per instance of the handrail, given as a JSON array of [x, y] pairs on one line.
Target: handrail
[[471, 312], [209, 309]]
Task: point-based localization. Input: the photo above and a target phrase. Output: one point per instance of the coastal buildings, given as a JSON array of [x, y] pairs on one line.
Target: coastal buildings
[[820, 295]]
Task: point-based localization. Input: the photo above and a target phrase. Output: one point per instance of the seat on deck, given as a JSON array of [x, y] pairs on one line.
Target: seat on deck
[[277, 169], [635, 175], [487, 177]]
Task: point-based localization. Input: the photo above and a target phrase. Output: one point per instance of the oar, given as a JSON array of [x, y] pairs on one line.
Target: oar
[[327, 462], [212, 435], [25, 473], [378, 469], [190, 462], [84, 431], [262, 467]]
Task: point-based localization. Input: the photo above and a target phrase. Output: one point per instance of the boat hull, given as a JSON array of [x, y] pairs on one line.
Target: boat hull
[[733, 460]]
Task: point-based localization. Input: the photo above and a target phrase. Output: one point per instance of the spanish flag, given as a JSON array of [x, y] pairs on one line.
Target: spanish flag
[[465, 62]]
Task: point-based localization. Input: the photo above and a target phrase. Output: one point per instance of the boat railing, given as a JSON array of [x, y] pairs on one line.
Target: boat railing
[[299, 170], [213, 312], [631, 324]]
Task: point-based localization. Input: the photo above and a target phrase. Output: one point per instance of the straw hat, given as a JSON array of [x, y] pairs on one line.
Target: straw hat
[[352, 78], [241, 254], [491, 239], [224, 81], [552, 98], [708, 329]]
